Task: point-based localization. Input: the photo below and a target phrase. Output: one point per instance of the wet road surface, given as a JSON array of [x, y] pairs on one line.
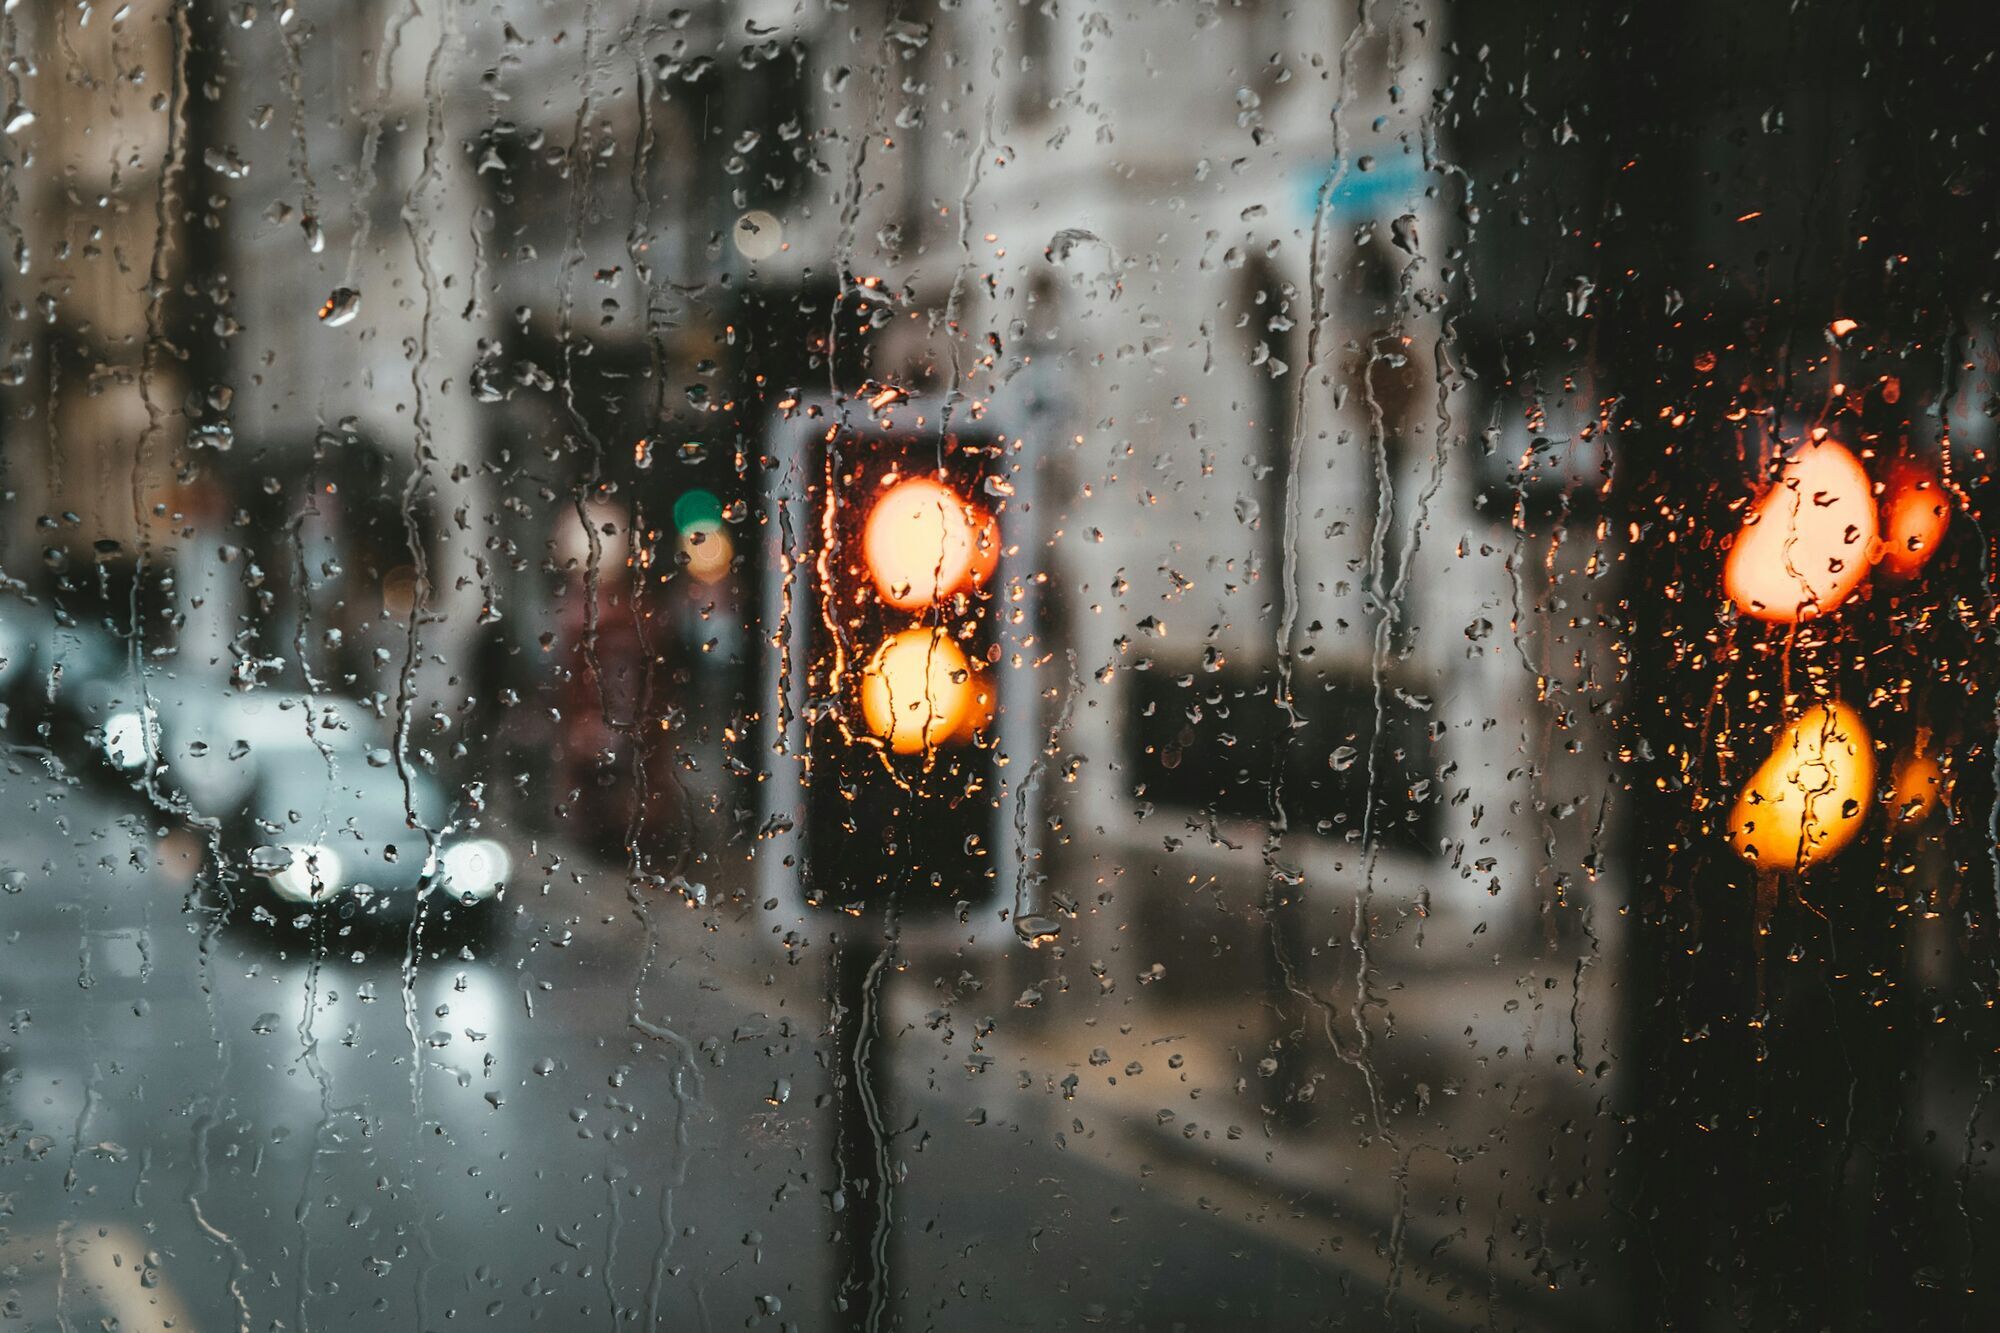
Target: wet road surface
[[616, 1111]]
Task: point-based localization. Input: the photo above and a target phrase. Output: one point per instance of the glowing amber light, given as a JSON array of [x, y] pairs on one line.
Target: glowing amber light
[[922, 543], [1809, 798], [709, 551], [1915, 513], [1806, 543], [1918, 787], [917, 690]]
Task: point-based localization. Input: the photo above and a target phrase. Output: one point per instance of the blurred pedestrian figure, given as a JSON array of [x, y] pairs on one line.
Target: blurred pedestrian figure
[[615, 786]]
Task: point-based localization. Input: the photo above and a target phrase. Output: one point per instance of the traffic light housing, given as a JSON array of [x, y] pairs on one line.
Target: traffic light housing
[[892, 620]]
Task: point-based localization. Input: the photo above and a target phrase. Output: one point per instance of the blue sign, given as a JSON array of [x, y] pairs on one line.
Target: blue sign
[[1392, 184]]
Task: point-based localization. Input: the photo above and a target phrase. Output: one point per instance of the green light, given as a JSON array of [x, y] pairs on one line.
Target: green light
[[697, 507]]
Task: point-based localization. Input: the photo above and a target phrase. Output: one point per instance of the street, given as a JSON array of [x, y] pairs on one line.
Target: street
[[615, 1113]]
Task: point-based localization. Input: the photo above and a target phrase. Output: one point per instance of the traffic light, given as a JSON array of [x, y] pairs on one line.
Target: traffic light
[[891, 626], [1849, 504]]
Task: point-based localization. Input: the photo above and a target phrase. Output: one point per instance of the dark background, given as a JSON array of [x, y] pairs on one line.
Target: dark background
[[1775, 1168]]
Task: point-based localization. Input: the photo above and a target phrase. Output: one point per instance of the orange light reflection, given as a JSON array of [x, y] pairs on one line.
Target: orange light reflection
[[1916, 510], [1806, 543], [917, 691], [1808, 800], [919, 543]]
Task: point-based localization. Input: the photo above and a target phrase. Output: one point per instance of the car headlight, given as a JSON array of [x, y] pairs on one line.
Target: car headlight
[[125, 740], [476, 868], [295, 881]]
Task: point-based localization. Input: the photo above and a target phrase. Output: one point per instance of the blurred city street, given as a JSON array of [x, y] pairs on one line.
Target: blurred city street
[[633, 1094], [893, 665]]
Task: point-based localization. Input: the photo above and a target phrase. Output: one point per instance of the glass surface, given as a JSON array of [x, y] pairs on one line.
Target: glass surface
[[997, 664]]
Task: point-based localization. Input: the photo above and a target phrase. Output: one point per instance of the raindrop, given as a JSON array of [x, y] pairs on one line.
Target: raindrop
[[341, 306], [225, 161], [1065, 242]]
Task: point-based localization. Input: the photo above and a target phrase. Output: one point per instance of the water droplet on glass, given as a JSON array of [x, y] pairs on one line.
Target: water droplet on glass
[[341, 306], [1403, 231]]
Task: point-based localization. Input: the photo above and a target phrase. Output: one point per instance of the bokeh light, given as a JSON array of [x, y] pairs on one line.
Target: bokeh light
[[709, 551], [1806, 801], [1917, 788], [311, 871], [919, 544], [1806, 543], [917, 690], [1915, 513], [758, 235], [695, 507]]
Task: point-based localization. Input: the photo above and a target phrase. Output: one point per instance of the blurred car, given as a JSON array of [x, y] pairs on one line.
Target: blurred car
[[316, 814], [53, 675]]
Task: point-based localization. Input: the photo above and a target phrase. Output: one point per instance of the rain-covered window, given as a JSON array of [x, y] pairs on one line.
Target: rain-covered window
[[998, 664]]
